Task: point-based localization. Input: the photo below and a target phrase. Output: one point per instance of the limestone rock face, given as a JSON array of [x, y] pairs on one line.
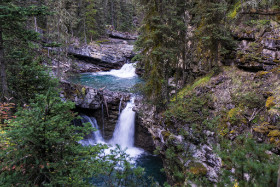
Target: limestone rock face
[[121, 35], [108, 55], [192, 144], [90, 98], [202, 153], [258, 49]]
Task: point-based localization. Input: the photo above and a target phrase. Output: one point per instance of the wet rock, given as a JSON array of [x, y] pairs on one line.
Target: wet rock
[[90, 98], [104, 105], [211, 161], [105, 56], [143, 137], [121, 35]]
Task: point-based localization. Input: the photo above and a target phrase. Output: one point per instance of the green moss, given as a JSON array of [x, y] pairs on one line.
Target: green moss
[[274, 133], [187, 90], [197, 168], [233, 112], [261, 129], [248, 99], [83, 90], [232, 14], [270, 102], [102, 41], [261, 73], [165, 134], [191, 109]]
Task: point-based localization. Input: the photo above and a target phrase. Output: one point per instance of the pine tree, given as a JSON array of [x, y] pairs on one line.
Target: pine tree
[[15, 39], [43, 146], [163, 46], [248, 163], [90, 20], [213, 35]]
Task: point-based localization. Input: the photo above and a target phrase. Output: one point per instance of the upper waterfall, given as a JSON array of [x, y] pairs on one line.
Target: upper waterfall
[[127, 71]]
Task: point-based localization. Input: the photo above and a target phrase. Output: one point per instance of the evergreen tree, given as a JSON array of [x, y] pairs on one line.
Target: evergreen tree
[[90, 20], [19, 51], [248, 163], [163, 46], [212, 33], [43, 146]]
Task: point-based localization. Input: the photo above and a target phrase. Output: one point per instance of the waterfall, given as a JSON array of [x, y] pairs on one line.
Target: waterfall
[[95, 136], [120, 106], [123, 134], [124, 131], [127, 71], [102, 120]]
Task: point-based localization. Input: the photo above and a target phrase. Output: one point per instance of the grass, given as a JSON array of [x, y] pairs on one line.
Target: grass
[[189, 88]]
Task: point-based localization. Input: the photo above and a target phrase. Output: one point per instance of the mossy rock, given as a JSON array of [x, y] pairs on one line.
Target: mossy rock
[[263, 128], [197, 168], [83, 90], [270, 102], [261, 73], [272, 140], [233, 112], [272, 127], [274, 133], [166, 135], [235, 117]]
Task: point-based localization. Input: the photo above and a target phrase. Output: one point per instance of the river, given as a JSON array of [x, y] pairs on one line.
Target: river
[[120, 80]]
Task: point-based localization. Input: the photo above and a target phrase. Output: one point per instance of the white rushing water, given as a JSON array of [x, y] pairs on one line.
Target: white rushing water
[[127, 71], [123, 134], [94, 137], [125, 130]]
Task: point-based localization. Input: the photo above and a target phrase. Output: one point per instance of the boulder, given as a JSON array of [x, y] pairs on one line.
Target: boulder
[[121, 35]]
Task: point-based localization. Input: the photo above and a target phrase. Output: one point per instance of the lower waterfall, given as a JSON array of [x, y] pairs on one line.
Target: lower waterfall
[[123, 134], [124, 137], [124, 131], [94, 137]]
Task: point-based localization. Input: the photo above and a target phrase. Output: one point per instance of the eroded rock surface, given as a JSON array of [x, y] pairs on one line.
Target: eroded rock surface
[[107, 55], [258, 48]]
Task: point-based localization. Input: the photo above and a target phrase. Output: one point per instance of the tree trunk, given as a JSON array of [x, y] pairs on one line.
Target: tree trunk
[[216, 57], [85, 33], [4, 84], [278, 181], [35, 24], [112, 14]]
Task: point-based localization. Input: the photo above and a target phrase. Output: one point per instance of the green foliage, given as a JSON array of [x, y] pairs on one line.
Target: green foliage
[[249, 99], [90, 19], [233, 13], [161, 44], [213, 34], [191, 109], [199, 82], [252, 164], [27, 77], [43, 147], [15, 37]]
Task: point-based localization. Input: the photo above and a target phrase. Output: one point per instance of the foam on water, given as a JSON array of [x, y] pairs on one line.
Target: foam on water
[[127, 71], [123, 134]]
